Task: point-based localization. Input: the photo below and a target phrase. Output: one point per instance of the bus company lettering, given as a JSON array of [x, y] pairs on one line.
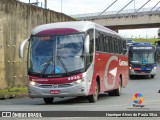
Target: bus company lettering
[[123, 63]]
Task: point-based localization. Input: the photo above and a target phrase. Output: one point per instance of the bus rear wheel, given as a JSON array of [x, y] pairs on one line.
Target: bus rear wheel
[[152, 76], [48, 100], [117, 92], [131, 77], [110, 93], [93, 98]]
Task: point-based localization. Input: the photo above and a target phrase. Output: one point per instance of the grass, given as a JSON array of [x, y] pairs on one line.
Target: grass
[[16, 91], [152, 40]]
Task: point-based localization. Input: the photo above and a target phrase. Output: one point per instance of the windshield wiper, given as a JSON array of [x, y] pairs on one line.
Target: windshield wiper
[[49, 61], [65, 68]]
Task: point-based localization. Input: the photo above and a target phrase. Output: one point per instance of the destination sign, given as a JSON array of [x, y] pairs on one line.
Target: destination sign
[[140, 48]]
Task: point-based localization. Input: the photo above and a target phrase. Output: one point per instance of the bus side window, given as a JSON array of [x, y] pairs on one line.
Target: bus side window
[[101, 42], [110, 44], [104, 43], [117, 46], [97, 41], [124, 47], [97, 45], [114, 45], [120, 46], [107, 43]]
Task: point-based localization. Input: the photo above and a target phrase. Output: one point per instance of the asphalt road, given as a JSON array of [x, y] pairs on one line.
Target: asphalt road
[[147, 87]]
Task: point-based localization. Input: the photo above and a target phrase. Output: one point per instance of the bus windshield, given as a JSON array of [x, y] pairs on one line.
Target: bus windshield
[[56, 54], [142, 58]]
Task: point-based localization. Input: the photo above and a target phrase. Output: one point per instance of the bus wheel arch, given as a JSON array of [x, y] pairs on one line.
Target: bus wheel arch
[[94, 97], [117, 91], [98, 82], [121, 80]]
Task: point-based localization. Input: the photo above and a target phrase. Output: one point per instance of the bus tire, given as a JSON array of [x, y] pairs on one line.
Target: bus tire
[[131, 76], [110, 93], [117, 92], [93, 98], [48, 100], [152, 76]]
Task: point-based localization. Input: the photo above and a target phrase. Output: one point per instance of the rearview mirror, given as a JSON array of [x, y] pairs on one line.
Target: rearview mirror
[[86, 45], [21, 47]]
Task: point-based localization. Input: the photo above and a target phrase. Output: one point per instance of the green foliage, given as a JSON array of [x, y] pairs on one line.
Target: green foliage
[[14, 91], [145, 40]]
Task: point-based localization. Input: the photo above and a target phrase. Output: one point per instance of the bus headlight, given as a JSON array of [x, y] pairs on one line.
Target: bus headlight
[[130, 68], [78, 81], [155, 68], [32, 83]]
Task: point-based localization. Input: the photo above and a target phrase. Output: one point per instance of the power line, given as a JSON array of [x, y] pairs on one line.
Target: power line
[[143, 5], [124, 6], [155, 6], [107, 7]]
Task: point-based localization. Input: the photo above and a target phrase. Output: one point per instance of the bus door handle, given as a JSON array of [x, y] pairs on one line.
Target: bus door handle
[[99, 59]]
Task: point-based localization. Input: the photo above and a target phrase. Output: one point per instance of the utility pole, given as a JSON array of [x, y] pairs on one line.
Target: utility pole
[[61, 6], [134, 6], [34, 3], [45, 4]]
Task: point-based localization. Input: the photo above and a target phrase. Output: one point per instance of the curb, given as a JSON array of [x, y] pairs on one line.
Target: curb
[[2, 97], [7, 96]]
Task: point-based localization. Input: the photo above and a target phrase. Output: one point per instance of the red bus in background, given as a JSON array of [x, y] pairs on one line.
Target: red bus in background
[[75, 59]]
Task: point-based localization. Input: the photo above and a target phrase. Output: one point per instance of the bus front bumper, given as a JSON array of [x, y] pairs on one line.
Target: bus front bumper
[[133, 72], [55, 91]]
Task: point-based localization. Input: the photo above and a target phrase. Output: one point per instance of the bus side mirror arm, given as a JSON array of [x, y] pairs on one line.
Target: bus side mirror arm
[[21, 47], [86, 45]]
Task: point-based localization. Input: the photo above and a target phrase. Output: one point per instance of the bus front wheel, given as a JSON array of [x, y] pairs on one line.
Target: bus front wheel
[[48, 100], [93, 98]]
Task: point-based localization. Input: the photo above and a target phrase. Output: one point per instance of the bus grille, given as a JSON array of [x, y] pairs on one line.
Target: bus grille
[[55, 85], [140, 71]]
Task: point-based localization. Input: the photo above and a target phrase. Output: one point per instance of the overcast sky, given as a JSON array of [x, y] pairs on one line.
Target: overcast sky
[[72, 7]]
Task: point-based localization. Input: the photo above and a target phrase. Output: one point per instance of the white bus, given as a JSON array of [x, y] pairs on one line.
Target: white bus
[[75, 59]]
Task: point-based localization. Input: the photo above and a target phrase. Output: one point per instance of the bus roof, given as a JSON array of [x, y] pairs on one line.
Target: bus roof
[[80, 26]]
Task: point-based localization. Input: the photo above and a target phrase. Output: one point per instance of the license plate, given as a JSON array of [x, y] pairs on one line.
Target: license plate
[[142, 72], [54, 91]]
